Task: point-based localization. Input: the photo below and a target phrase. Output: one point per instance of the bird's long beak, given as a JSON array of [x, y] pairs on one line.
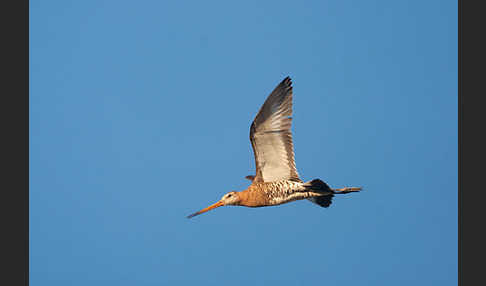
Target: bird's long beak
[[213, 206]]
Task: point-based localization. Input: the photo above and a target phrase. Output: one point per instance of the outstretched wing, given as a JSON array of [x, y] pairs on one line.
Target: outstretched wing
[[271, 137]]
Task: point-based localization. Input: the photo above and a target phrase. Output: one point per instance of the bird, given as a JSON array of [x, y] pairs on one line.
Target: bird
[[276, 180]]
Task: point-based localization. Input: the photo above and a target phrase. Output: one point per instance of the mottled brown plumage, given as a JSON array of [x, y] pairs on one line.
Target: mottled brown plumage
[[276, 179]]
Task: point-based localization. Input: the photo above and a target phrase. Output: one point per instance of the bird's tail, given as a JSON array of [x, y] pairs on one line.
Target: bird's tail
[[325, 200], [318, 186]]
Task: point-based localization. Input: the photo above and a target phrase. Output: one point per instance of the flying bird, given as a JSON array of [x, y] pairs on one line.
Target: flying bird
[[276, 180]]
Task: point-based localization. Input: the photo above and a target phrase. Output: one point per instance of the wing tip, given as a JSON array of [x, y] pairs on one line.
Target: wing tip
[[250, 177], [286, 85], [287, 81]]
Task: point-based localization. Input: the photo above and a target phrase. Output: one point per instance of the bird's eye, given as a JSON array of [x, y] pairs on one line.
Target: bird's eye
[[229, 195]]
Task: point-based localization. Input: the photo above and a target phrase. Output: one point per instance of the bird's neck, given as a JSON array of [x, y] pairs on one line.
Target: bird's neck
[[252, 198]]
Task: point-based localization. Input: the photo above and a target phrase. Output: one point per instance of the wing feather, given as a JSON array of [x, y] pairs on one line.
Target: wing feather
[[271, 137]]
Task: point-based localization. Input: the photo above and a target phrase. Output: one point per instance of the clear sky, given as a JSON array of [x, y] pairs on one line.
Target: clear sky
[[140, 114]]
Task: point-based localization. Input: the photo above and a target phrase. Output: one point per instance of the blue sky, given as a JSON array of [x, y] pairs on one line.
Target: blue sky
[[140, 114]]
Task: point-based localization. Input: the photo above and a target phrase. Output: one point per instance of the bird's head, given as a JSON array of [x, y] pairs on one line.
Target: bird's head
[[231, 198]]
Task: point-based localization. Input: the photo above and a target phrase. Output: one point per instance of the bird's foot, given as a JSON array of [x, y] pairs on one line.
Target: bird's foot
[[346, 190]]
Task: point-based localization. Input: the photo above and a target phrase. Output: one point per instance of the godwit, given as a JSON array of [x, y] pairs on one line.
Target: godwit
[[276, 181]]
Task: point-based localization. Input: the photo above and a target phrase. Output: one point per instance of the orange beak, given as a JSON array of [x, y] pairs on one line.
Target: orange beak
[[218, 204]]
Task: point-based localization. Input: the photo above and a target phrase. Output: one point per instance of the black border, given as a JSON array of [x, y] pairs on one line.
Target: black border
[[472, 143], [14, 101]]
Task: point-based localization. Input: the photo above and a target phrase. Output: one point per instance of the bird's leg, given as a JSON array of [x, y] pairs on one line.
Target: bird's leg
[[346, 190]]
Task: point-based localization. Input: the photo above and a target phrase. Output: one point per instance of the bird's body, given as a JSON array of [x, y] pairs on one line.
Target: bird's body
[[276, 180], [273, 193]]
